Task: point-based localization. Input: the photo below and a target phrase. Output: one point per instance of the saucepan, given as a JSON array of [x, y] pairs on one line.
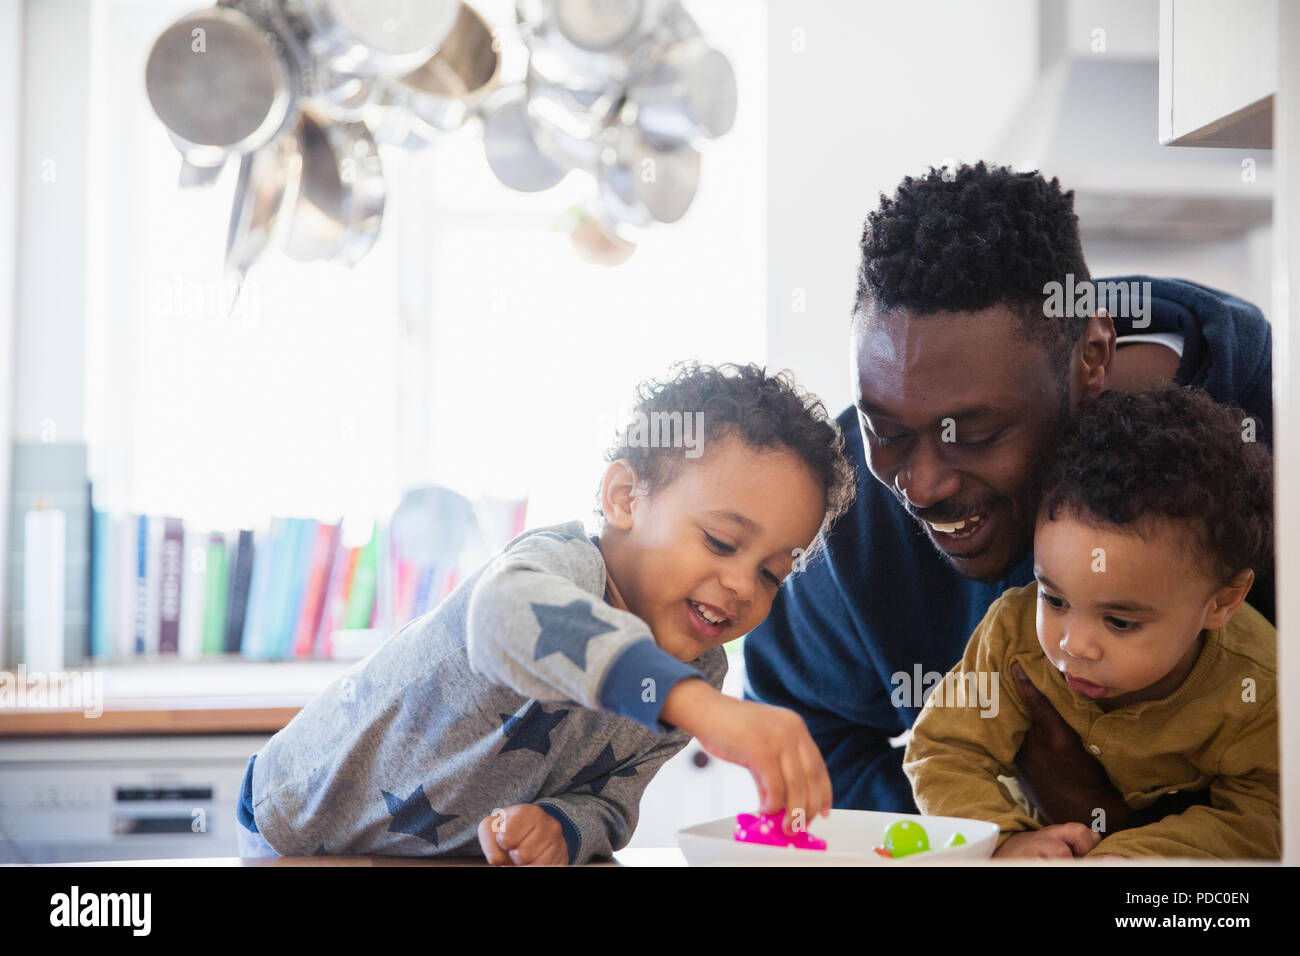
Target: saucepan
[[340, 202], [690, 93], [443, 92], [512, 152], [378, 38], [222, 85], [640, 183]]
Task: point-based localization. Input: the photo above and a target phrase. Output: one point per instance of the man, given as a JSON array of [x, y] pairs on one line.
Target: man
[[974, 336]]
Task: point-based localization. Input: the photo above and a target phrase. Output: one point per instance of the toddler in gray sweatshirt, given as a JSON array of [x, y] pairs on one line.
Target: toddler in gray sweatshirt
[[522, 719]]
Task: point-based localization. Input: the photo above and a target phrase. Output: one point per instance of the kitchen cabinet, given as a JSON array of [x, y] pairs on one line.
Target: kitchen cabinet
[[1218, 72]]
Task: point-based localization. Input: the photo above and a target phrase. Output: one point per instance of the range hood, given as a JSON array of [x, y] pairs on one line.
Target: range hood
[[1091, 121]]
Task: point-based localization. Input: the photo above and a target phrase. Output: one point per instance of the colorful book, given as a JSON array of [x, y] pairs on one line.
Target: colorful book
[[153, 585], [313, 605], [214, 607], [241, 576], [265, 556], [286, 591], [361, 599], [102, 585], [141, 585], [335, 598]]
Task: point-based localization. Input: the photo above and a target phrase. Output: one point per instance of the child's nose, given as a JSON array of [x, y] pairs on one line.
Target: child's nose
[[1079, 642], [740, 583]]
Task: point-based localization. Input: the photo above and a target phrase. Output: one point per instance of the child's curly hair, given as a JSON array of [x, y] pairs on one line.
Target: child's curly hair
[[743, 401], [1170, 451]]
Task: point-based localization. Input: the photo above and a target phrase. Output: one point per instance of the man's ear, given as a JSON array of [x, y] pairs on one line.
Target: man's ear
[[618, 494], [1093, 353], [1225, 601]]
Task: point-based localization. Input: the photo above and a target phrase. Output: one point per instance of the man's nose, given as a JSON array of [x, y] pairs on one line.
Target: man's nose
[[925, 479]]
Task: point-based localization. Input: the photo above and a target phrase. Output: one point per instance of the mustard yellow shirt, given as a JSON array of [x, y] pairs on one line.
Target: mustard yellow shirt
[[1217, 731]]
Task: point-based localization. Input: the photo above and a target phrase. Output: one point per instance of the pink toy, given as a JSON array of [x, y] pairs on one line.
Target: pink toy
[[765, 828]]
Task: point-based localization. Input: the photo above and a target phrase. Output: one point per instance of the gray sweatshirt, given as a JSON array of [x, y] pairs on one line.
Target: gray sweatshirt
[[523, 686]]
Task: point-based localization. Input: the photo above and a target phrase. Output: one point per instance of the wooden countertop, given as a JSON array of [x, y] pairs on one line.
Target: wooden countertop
[[218, 696]]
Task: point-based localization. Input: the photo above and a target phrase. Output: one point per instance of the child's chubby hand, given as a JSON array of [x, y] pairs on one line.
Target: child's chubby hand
[[772, 743], [522, 835], [1061, 841]]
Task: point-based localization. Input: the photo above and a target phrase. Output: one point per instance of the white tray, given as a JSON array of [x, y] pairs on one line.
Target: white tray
[[850, 836]]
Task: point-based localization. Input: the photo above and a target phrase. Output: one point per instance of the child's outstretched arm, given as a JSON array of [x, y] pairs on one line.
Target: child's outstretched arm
[[960, 746], [537, 624]]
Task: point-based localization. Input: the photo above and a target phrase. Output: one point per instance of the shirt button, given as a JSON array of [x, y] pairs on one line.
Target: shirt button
[[1094, 748]]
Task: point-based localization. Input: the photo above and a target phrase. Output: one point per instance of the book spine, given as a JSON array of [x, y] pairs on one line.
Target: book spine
[[240, 582], [193, 594], [314, 601], [296, 597], [265, 556], [335, 600], [141, 584], [171, 561], [214, 612], [362, 597], [101, 609]]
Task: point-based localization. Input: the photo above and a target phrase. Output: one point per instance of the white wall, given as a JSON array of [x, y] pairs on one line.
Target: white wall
[[859, 95]]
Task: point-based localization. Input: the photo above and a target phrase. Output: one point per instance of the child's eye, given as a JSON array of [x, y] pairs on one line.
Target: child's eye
[[1120, 624], [1052, 600], [718, 545], [771, 577]]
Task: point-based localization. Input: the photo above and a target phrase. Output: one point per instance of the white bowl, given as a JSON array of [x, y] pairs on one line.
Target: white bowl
[[850, 836]]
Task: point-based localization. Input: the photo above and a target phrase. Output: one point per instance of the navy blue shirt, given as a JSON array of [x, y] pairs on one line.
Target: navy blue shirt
[[880, 601]]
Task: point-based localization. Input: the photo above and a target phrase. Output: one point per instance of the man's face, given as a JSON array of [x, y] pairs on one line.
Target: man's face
[[956, 411]]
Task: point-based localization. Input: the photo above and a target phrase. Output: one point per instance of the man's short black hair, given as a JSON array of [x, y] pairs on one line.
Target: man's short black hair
[[965, 239], [1173, 452]]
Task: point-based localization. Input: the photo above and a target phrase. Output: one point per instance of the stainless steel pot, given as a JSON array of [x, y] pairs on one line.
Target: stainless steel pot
[[691, 93], [221, 84], [340, 203], [371, 37], [443, 92], [512, 153], [640, 183]]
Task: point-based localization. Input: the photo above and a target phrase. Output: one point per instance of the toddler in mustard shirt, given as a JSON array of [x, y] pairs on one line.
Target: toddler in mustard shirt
[[1156, 513]]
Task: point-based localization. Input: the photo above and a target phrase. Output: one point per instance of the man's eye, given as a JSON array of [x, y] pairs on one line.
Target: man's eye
[[718, 545], [885, 440], [981, 442]]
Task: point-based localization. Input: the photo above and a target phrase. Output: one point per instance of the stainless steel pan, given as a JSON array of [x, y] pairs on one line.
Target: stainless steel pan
[[340, 203], [267, 189], [220, 84]]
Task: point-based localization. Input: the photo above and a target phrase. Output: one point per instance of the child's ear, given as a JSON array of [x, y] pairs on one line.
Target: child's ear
[[618, 494], [1225, 601]]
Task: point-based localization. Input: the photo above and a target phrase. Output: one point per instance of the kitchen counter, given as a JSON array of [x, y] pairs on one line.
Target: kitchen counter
[[655, 856]]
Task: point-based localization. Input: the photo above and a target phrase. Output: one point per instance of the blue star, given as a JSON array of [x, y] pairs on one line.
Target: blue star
[[415, 815], [321, 851], [531, 731], [598, 772], [567, 630]]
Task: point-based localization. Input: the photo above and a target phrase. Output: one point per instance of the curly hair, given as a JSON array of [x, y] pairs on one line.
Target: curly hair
[[1173, 452], [965, 239], [765, 411]]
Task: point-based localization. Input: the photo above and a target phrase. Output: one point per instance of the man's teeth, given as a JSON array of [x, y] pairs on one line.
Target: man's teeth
[[955, 526], [705, 613]]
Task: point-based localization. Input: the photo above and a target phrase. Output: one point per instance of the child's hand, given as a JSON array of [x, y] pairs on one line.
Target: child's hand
[[1064, 840], [772, 743], [522, 835]]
